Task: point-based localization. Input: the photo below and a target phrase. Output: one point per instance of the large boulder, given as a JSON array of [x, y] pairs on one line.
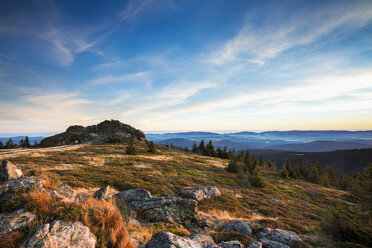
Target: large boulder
[[255, 244], [106, 131], [158, 209], [62, 234], [170, 240], [17, 220], [278, 235], [267, 243], [9, 171], [238, 226], [8, 188], [202, 239], [201, 193], [231, 244]]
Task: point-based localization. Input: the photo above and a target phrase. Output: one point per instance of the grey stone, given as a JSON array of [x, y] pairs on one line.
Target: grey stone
[[238, 226], [64, 192], [231, 244], [81, 197], [19, 219], [202, 239], [158, 209], [279, 235], [102, 193], [275, 198], [170, 240], [8, 188], [62, 234], [255, 244], [9, 171], [267, 243], [201, 193]]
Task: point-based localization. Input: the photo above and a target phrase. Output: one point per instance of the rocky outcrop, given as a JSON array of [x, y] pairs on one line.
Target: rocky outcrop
[[81, 197], [17, 220], [255, 244], [202, 239], [170, 240], [9, 171], [267, 243], [102, 193], [231, 244], [8, 188], [63, 192], [62, 234], [201, 193], [158, 209], [104, 132], [277, 235], [238, 226]]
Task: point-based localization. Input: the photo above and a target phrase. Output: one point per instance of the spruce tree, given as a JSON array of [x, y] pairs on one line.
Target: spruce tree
[[233, 166], [284, 173], [247, 161], [256, 178], [202, 148], [195, 148], [261, 159], [1, 145], [131, 149], [271, 164], [9, 144], [26, 143], [152, 148], [298, 169]]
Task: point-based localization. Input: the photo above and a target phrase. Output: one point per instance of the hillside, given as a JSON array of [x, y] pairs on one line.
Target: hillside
[[342, 161], [287, 204]]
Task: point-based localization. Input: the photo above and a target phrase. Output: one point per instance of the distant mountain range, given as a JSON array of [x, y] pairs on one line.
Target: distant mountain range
[[301, 141]]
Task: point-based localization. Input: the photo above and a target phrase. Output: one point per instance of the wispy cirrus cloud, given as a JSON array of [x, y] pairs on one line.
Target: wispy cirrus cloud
[[257, 44], [142, 77], [133, 8]]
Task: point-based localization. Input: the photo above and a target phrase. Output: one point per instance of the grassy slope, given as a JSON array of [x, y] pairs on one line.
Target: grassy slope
[[300, 208]]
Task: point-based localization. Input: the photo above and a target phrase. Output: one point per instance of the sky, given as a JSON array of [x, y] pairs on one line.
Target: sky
[[163, 65]]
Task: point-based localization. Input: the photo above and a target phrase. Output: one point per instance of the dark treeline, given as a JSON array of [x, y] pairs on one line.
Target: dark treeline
[[243, 163], [24, 143]]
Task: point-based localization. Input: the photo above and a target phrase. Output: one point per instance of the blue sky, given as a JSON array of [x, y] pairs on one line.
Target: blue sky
[[186, 65]]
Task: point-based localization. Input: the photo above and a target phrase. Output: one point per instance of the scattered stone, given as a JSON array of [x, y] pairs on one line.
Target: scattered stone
[[170, 240], [8, 188], [64, 192], [134, 242], [238, 226], [266, 243], [202, 239], [231, 244], [134, 222], [81, 197], [9, 171], [158, 209], [201, 193], [62, 234], [255, 244], [16, 220], [275, 198], [102, 193], [278, 235]]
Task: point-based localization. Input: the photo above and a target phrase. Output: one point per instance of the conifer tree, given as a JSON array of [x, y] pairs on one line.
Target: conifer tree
[[289, 169], [247, 161], [195, 148], [26, 143], [284, 173], [233, 166], [152, 148], [1, 145], [253, 166], [261, 159], [202, 148], [9, 144], [256, 178], [131, 149], [298, 169], [271, 164], [21, 143]]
